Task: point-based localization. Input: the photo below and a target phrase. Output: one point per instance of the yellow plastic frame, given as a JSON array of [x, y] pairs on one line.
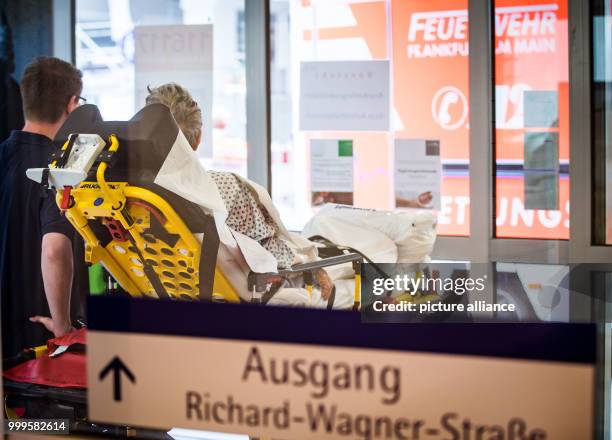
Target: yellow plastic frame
[[177, 267]]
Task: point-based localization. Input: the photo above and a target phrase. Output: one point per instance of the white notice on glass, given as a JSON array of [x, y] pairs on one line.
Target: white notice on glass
[[417, 173], [182, 54], [331, 164], [344, 95]]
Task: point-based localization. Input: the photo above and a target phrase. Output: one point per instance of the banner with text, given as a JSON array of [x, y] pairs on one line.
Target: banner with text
[[325, 375]]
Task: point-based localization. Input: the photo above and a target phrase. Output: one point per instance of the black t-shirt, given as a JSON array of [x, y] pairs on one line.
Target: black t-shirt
[[11, 110], [25, 216]]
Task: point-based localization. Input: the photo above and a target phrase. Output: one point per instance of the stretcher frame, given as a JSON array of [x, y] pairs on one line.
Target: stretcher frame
[[179, 267]]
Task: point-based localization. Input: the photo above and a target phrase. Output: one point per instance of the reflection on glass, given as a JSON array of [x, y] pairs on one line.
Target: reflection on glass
[[541, 151], [419, 42], [541, 108], [531, 120], [602, 119], [539, 292], [461, 291], [124, 46], [542, 190]]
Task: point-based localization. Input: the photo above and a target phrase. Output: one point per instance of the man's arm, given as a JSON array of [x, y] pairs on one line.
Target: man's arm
[[57, 269]]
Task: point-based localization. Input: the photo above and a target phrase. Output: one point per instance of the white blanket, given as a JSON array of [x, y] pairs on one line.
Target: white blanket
[[384, 237], [183, 174]]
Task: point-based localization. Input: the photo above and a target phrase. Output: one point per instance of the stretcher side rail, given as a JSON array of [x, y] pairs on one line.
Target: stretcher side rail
[[261, 282]]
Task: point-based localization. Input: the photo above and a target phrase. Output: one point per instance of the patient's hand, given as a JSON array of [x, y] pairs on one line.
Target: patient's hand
[[325, 283], [425, 199], [57, 329], [422, 201]]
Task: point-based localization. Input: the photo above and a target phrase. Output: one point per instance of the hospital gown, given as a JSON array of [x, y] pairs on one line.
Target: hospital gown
[[247, 216], [381, 235]]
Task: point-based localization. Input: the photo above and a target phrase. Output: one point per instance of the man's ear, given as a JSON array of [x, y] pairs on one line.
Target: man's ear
[[72, 104]]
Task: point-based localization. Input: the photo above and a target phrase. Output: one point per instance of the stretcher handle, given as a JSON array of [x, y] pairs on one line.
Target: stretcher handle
[[259, 281], [114, 146], [324, 262]]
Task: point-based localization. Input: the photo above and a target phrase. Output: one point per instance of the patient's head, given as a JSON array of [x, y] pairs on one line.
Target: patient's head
[[183, 107]]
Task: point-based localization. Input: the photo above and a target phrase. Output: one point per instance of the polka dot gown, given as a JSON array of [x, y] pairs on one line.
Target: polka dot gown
[[247, 216]]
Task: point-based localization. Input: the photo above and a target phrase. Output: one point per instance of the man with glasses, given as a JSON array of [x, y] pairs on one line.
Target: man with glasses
[[36, 259]]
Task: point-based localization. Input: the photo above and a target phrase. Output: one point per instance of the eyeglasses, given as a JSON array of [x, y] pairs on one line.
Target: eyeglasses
[[81, 100]]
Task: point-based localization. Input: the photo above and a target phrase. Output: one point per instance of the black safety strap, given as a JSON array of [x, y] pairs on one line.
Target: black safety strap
[[208, 258], [65, 154], [268, 294], [158, 231], [274, 288], [332, 298], [331, 244], [44, 181], [149, 271]]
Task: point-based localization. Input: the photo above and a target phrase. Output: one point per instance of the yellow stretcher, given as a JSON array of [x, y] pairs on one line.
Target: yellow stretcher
[[152, 252]]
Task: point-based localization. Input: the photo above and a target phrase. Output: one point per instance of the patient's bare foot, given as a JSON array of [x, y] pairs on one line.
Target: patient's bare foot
[[324, 282]]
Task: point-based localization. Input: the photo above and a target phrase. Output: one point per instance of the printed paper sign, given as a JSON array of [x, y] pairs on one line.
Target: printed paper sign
[[331, 164], [314, 392], [344, 95], [182, 54], [541, 108], [541, 170], [278, 372], [418, 172], [542, 190], [541, 150]]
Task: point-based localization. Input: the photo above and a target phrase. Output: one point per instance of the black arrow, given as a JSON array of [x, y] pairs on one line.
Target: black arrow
[[117, 366]]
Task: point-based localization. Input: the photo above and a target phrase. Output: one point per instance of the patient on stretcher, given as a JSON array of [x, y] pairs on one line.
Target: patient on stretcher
[[246, 215], [384, 237]]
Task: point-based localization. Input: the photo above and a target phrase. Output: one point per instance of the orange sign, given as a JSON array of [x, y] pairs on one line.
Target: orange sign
[[430, 80], [431, 90]]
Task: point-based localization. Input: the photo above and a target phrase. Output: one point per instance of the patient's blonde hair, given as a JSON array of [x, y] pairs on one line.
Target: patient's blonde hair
[[183, 107]]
